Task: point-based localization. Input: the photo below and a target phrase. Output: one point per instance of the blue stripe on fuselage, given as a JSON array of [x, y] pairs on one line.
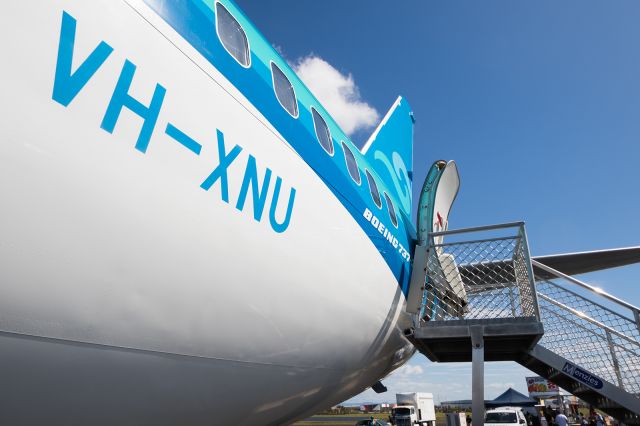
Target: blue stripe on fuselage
[[195, 22]]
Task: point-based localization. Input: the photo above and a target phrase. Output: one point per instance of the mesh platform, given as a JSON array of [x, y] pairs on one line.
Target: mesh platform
[[479, 273]]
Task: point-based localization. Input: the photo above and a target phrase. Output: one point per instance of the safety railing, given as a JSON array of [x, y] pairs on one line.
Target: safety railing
[[590, 328], [479, 273]]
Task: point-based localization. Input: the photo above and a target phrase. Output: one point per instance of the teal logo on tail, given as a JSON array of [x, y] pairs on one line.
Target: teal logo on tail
[[390, 151], [400, 177]]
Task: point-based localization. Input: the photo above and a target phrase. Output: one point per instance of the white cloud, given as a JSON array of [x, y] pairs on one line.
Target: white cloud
[[408, 370], [447, 381], [338, 93]]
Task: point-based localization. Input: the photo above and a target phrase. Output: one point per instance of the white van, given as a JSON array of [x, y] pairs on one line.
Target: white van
[[505, 416]]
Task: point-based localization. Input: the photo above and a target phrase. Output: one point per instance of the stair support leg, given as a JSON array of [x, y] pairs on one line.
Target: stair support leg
[[614, 358], [477, 374]]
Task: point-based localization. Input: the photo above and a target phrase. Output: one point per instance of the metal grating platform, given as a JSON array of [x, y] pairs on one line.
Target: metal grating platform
[[475, 298], [504, 338]]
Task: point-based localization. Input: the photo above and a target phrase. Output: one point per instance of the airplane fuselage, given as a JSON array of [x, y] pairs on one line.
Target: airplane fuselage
[[176, 247]]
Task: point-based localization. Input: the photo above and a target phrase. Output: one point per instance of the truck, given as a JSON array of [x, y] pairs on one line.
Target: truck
[[413, 408]]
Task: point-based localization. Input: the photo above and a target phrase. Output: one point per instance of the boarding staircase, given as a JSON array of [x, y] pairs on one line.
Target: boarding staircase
[[477, 295]]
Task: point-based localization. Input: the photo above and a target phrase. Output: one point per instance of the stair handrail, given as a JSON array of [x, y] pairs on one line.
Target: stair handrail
[[589, 319], [619, 346], [591, 288], [476, 229], [578, 295]]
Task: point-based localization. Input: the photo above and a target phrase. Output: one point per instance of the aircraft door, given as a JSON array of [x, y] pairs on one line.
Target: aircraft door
[[438, 194]]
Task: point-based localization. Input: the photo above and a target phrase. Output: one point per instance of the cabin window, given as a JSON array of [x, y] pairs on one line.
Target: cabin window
[[373, 188], [392, 210], [322, 131], [232, 36], [352, 165], [284, 90]]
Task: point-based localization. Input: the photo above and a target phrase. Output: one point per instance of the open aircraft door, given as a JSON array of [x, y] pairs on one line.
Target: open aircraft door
[[438, 193]]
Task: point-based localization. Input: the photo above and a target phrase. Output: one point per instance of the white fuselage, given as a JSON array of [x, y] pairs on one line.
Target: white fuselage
[[129, 294]]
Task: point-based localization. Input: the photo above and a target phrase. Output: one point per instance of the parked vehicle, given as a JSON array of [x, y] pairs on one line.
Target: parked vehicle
[[377, 422], [414, 408], [505, 416]]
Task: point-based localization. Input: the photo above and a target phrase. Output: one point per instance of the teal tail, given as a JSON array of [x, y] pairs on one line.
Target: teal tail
[[390, 151]]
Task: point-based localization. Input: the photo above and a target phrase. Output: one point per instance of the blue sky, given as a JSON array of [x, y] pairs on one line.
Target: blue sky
[[538, 103]]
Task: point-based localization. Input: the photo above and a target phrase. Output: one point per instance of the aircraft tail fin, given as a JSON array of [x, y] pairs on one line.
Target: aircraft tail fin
[[390, 151]]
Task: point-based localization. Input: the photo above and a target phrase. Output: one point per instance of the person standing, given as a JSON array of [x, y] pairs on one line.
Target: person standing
[[580, 419], [548, 415], [584, 421], [527, 416], [561, 419]]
